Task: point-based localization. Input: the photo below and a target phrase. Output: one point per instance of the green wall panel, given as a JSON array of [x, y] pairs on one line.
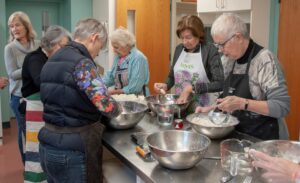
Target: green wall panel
[[80, 9], [274, 26], [63, 12]]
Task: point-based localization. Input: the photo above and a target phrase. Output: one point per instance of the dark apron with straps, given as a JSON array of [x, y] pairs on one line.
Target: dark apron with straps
[[121, 78], [259, 126], [91, 136]]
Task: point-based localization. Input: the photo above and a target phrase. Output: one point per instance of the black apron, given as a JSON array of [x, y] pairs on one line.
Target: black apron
[[121, 78], [259, 126]]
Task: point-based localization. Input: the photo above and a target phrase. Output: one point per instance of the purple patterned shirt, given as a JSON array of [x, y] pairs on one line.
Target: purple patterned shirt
[[90, 82]]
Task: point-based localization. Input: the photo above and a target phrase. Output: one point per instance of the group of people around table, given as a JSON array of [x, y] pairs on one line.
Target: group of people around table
[[71, 100]]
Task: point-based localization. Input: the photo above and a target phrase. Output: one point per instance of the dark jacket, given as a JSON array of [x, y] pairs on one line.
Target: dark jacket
[[64, 103], [213, 67], [31, 70]]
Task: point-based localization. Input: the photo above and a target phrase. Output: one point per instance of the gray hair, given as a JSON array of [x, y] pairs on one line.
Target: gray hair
[[24, 19], [123, 37], [86, 27], [54, 35], [228, 24]]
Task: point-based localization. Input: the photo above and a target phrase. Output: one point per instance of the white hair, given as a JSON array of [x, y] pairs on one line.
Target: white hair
[[228, 24], [123, 37], [53, 35], [86, 27]]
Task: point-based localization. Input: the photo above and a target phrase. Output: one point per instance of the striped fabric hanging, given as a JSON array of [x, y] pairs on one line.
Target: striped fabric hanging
[[34, 122]]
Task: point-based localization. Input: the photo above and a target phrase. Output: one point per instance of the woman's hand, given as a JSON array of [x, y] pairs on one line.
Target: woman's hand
[[187, 90], [160, 88], [276, 170], [3, 82], [200, 109], [115, 91], [231, 103]]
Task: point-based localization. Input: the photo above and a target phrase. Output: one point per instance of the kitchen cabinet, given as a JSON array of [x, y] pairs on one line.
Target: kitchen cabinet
[[256, 13], [204, 6]]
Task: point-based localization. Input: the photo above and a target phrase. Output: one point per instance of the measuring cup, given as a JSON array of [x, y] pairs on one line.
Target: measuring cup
[[234, 156]]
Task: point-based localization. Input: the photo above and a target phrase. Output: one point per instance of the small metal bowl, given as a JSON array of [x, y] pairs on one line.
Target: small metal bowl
[[132, 113], [176, 149], [202, 124], [164, 100]]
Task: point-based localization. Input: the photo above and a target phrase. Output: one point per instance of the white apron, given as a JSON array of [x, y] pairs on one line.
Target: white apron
[[189, 68]]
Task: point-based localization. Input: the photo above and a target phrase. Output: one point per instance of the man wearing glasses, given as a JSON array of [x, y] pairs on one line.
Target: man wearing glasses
[[255, 89]]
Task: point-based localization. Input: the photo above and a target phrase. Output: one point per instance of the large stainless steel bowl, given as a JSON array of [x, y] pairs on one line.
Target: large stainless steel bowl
[[286, 149], [202, 124], [132, 113], [164, 100], [176, 149]]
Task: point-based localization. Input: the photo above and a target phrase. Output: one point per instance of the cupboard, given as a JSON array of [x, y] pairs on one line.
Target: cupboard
[[204, 6], [254, 12]]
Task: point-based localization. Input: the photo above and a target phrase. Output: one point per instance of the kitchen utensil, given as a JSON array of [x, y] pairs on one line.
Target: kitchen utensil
[[144, 153], [165, 114], [217, 116], [132, 113], [234, 156], [212, 157], [201, 123], [164, 100], [139, 138], [177, 149]]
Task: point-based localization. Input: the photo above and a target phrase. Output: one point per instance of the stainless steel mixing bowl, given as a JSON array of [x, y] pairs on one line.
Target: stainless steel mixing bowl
[[286, 149], [164, 100], [213, 131], [177, 149], [132, 113]]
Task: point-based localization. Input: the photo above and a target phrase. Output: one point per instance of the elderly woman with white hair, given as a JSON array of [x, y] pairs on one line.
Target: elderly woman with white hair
[[75, 101], [130, 71], [255, 89]]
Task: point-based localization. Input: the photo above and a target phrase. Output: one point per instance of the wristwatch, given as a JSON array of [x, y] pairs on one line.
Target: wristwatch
[[246, 104]]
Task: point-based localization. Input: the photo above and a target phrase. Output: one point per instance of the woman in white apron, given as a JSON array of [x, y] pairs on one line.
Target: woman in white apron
[[196, 65]]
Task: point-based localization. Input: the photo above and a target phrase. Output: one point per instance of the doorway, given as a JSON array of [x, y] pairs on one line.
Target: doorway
[[150, 21], [289, 56]]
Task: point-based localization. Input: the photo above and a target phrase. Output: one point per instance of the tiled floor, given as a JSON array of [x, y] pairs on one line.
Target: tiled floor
[[11, 167]]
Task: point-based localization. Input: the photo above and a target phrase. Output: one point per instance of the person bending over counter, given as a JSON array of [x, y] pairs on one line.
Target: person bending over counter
[[130, 71]]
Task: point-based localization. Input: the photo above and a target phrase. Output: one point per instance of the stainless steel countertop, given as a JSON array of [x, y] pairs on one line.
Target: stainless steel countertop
[[119, 142]]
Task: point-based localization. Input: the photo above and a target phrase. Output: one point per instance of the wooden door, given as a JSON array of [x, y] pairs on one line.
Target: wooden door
[[289, 56], [152, 31]]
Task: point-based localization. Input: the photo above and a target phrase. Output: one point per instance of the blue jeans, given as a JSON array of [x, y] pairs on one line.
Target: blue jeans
[[14, 104], [62, 166]]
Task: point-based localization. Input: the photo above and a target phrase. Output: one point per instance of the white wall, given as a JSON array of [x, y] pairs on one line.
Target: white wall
[[105, 11], [260, 22]]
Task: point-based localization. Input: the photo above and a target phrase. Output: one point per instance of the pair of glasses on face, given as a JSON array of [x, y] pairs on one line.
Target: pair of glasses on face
[[222, 45]]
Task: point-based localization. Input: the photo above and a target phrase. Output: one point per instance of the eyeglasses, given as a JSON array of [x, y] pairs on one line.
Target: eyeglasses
[[222, 45]]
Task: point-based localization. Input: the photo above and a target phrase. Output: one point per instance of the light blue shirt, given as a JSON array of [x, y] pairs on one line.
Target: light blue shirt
[[138, 72]]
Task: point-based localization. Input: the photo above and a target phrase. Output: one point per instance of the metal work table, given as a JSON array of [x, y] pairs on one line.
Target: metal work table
[[207, 170]]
